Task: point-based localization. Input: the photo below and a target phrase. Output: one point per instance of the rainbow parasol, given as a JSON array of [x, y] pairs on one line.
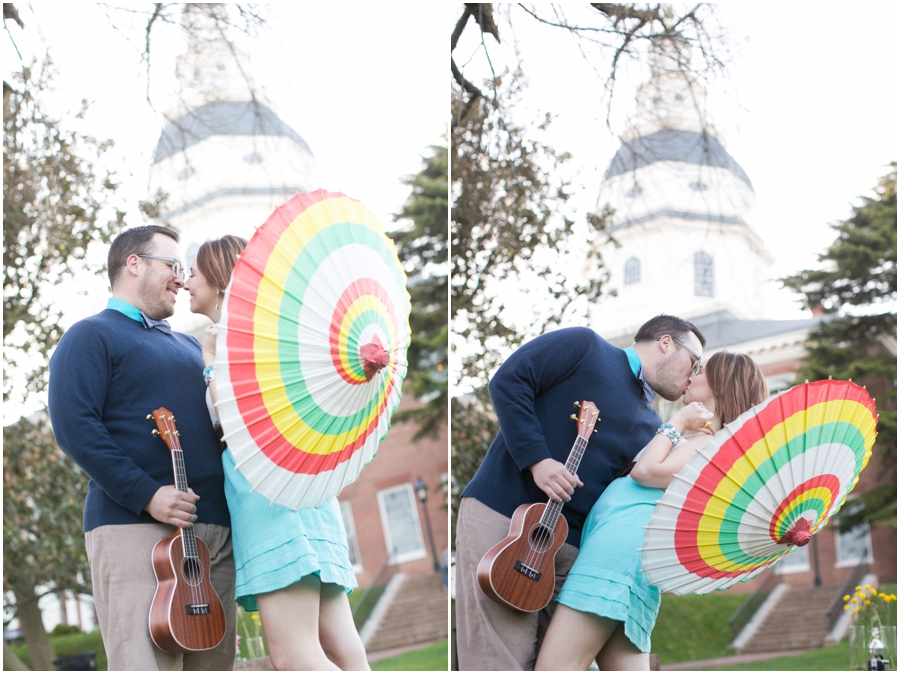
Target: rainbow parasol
[[312, 350], [763, 486]]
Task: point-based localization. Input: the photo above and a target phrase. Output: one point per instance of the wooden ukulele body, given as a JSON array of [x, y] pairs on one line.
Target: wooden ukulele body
[[520, 571], [186, 614]]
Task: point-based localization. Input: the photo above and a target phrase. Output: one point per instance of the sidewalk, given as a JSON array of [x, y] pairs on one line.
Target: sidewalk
[[391, 652], [728, 660], [265, 665]]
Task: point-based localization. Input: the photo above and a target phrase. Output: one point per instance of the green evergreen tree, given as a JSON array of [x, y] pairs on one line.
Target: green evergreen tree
[[423, 250], [857, 284]]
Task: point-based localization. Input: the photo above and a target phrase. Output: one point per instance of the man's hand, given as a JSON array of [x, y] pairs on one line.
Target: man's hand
[[171, 506], [554, 480]]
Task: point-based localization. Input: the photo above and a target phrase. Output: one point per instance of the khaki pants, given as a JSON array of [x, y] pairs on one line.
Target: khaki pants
[[124, 583], [491, 637]]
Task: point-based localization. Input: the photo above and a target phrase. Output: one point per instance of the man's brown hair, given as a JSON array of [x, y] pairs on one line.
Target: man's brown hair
[[134, 241], [663, 324]]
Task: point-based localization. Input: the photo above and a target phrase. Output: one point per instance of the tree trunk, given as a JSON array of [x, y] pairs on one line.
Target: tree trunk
[[11, 661], [63, 609], [40, 650]]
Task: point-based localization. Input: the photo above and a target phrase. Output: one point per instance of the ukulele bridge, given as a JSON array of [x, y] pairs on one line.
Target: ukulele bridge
[[197, 609], [527, 571]]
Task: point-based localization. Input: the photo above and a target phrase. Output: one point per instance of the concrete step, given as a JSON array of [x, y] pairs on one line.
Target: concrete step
[[797, 622], [417, 615]]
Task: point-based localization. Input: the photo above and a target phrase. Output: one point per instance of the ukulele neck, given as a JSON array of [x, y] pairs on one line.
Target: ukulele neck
[[553, 508], [188, 540]]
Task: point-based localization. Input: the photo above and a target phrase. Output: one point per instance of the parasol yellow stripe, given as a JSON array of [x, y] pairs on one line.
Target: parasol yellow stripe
[[821, 493], [296, 236], [795, 425], [354, 311]]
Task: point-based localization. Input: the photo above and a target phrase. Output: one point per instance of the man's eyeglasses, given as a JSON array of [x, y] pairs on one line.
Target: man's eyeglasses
[[177, 271], [695, 364]]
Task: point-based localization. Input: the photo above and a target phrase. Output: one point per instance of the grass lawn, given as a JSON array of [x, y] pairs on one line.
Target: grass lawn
[[429, 659], [694, 628], [830, 658], [70, 644]]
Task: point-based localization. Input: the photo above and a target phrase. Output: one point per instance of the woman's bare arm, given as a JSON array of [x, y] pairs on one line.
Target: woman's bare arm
[[659, 462]]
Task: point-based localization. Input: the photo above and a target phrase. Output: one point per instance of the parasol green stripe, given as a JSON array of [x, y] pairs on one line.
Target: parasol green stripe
[[363, 321], [849, 434], [318, 248], [809, 503]]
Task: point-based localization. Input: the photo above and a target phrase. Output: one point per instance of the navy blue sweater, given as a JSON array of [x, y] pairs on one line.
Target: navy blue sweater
[[533, 392], [107, 374]]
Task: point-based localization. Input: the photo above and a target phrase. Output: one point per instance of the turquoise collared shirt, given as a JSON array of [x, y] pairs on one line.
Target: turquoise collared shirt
[[124, 307], [635, 362]]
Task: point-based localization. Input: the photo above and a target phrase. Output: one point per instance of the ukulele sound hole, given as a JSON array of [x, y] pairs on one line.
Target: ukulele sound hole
[[540, 537], [191, 571]]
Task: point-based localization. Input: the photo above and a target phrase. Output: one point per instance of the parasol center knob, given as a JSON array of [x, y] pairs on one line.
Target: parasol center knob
[[799, 533], [374, 356]]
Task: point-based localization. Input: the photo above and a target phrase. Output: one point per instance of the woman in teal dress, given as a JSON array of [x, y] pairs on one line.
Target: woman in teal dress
[[607, 608], [292, 566]]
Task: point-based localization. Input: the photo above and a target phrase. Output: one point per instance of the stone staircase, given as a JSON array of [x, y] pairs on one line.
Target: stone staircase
[[797, 621], [416, 615]]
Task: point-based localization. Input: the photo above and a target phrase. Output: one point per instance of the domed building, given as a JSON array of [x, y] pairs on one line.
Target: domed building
[[682, 211], [224, 160]]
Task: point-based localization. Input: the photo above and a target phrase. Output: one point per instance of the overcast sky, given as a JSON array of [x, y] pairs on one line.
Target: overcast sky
[[809, 110], [365, 85]]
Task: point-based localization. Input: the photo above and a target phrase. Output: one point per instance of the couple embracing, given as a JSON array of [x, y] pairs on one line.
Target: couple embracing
[[108, 372], [605, 608]]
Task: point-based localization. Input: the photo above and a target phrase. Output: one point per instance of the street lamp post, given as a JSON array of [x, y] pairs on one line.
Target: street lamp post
[[422, 493]]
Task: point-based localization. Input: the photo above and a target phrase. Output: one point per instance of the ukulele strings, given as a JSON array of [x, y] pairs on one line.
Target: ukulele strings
[[188, 540], [539, 545]]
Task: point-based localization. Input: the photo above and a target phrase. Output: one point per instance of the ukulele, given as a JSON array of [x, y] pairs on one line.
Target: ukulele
[[519, 572], [186, 614]]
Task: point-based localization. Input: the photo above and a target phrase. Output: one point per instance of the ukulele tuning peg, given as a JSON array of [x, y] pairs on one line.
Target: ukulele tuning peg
[[573, 417], [154, 432], [577, 404], [149, 417], [177, 434], [595, 430]]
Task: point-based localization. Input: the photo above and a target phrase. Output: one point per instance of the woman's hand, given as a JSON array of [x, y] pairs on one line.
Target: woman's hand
[[694, 417], [209, 344]]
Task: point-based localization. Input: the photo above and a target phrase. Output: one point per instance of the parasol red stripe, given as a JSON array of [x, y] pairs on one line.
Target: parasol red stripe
[[773, 412], [300, 462], [359, 288], [829, 482], [246, 390]]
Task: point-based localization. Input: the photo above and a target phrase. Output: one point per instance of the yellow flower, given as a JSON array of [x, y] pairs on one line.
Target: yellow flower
[[846, 597], [868, 587], [861, 595], [859, 587], [857, 609], [855, 600], [846, 607], [868, 602]]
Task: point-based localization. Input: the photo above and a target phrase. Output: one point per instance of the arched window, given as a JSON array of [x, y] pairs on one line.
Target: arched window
[[632, 271], [704, 275]]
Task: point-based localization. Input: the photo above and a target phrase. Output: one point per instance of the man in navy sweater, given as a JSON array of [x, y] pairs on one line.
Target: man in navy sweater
[[533, 392], [107, 374]]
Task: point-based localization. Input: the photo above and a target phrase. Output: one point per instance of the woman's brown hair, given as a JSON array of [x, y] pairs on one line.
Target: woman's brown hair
[[216, 259], [737, 383]]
